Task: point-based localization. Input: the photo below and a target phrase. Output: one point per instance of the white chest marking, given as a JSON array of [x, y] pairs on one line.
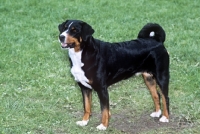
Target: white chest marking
[[76, 70]]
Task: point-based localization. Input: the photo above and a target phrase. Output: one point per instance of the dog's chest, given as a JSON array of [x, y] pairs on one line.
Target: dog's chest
[[76, 70], [76, 58]]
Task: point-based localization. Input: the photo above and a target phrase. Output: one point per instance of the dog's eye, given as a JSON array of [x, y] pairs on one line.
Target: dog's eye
[[74, 30]]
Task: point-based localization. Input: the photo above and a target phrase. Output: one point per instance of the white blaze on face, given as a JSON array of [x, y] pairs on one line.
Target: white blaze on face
[[65, 33]]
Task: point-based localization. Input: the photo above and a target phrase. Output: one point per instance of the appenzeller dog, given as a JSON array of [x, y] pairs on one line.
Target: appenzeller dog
[[96, 65]]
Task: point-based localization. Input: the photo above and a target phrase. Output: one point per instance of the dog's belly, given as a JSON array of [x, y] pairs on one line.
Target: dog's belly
[[116, 77]]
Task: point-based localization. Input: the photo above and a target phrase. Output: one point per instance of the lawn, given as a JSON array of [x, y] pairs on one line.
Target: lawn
[[38, 94]]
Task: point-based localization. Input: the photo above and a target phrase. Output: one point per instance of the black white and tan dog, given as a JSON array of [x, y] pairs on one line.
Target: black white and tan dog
[[97, 64]]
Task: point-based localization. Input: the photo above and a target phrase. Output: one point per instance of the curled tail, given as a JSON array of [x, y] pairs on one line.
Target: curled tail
[[152, 30]]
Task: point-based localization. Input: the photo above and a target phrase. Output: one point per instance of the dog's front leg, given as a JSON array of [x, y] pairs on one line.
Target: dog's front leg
[[87, 102], [104, 102]]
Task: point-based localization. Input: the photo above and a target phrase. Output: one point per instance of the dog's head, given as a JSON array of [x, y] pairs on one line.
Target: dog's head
[[73, 33]]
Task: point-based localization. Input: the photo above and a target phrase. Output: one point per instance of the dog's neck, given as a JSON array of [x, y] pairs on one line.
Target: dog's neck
[[75, 57]]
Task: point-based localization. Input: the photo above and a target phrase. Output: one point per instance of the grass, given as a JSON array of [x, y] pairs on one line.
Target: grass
[[37, 93]]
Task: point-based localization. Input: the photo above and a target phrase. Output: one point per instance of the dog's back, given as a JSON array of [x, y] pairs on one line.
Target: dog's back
[[124, 59]]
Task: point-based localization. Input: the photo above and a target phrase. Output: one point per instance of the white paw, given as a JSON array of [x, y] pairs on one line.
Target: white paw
[[164, 119], [82, 123], [156, 114], [101, 127]]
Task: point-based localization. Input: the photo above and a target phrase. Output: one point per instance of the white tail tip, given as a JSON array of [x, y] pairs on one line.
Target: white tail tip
[[152, 34]]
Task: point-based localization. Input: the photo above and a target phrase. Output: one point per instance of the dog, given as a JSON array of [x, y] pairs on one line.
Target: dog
[[96, 65]]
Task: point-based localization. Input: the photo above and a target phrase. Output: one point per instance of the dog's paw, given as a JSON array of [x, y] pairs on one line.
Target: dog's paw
[[156, 114], [163, 119], [101, 127], [82, 123]]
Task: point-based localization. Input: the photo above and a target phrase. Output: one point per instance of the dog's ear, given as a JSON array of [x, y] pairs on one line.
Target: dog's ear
[[86, 31], [61, 27]]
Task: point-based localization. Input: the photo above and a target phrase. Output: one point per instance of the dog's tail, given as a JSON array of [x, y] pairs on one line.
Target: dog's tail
[[152, 30]]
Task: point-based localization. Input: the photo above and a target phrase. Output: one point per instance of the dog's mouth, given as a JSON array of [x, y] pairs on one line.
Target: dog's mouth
[[67, 45]]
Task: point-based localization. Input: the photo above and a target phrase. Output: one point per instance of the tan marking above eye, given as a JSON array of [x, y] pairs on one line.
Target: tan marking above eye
[[73, 29]]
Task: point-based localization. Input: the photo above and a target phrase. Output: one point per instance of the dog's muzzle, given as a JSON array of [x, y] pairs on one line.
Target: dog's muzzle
[[62, 38], [65, 45]]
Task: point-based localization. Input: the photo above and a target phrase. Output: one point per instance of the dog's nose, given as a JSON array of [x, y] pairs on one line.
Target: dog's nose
[[62, 38]]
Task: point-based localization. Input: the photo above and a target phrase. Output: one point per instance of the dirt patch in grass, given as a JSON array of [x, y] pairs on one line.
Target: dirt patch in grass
[[125, 122], [144, 124]]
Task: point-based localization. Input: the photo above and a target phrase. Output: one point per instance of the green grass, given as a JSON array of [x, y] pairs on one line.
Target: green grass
[[37, 92]]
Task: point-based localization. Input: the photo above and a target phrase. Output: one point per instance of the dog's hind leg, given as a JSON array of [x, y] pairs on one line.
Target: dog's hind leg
[[151, 85], [87, 102], [104, 102], [163, 82]]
